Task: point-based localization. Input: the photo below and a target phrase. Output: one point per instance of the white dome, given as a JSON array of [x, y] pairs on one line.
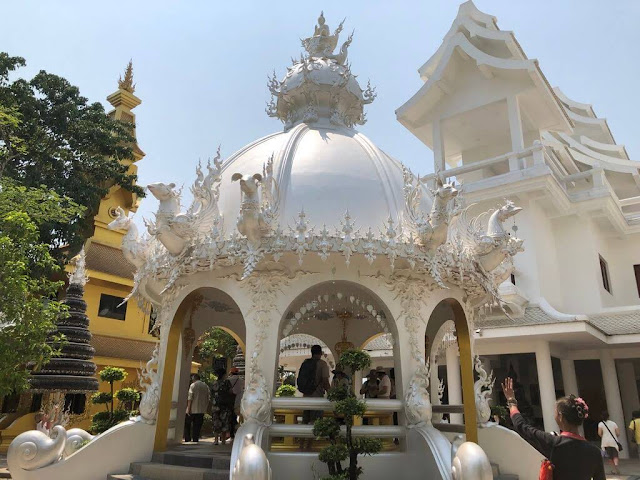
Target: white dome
[[324, 170]]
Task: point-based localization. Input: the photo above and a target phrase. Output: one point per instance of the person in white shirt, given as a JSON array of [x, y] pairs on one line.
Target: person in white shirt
[[197, 404], [384, 387], [609, 432]]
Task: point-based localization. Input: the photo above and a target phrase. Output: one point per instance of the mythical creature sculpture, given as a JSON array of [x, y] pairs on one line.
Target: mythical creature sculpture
[[490, 247], [256, 401], [432, 229], [471, 463], [417, 400], [252, 463], [177, 230], [134, 249], [483, 387], [150, 384], [34, 449]]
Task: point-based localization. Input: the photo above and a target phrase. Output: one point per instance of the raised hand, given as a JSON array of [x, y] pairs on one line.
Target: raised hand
[[507, 388]]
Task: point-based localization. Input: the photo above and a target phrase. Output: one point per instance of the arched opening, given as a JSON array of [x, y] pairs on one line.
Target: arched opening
[[202, 311], [294, 349], [448, 341]]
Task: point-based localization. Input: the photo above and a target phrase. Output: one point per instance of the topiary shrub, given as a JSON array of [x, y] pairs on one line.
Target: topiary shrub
[[127, 399], [286, 390], [347, 406]]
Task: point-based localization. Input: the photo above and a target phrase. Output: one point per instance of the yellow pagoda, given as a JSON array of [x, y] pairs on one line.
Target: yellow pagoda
[[120, 332]]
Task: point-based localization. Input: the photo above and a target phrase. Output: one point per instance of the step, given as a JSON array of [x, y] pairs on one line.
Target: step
[[506, 476], [216, 461], [125, 476], [161, 471]]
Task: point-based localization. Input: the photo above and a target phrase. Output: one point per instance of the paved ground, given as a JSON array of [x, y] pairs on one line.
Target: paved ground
[[630, 470]]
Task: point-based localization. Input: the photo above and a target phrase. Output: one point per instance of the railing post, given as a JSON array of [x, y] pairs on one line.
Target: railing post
[[538, 153]]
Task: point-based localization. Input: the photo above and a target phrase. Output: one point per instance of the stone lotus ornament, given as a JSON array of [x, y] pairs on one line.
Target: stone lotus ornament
[[34, 449], [417, 401], [483, 387], [471, 463], [134, 249], [252, 463]]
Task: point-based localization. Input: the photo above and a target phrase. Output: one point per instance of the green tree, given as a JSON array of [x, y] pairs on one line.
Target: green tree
[[217, 342], [347, 406], [51, 135], [127, 397], [28, 309]]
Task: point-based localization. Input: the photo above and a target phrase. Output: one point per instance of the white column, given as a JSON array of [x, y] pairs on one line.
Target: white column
[[515, 129], [628, 389], [570, 381], [612, 395], [454, 385], [438, 147], [547, 386]]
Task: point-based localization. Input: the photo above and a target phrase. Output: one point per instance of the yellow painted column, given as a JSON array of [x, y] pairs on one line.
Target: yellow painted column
[[168, 376], [466, 370]]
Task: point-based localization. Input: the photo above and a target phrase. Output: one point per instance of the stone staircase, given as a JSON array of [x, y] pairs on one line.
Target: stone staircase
[[184, 462], [501, 476]]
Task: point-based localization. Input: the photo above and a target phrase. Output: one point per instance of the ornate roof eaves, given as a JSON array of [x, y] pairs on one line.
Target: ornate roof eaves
[[475, 30], [594, 158], [610, 147], [572, 103]]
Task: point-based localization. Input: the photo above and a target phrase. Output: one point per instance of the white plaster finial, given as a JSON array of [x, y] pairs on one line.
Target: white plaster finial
[[79, 274]]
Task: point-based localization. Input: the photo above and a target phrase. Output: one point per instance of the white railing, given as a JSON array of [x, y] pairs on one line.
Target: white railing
[[306, 431], [309, 403]]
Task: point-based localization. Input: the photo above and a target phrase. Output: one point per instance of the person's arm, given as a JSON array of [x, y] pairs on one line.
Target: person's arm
[[600, 432], [617, 430], [325, 377], [365, 386], [189, 399], [542, 441]]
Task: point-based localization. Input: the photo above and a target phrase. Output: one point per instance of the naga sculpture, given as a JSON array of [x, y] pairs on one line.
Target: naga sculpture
[[150, 384], [34, 449], [252, 463], [134, 249], [483, 388], [177, 230], [471, 463], [417, 401], [432, 229]]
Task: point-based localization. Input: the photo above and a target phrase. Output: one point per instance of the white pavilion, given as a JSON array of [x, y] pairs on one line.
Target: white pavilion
[[315, 234]]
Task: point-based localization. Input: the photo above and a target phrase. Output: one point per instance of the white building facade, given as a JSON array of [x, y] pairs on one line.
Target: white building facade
[[496, 126]]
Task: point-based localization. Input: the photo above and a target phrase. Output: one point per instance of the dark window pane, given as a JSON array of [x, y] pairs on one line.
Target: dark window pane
[[636, 269], [74, 403], [604, 270], [111, 307], [36, 402]]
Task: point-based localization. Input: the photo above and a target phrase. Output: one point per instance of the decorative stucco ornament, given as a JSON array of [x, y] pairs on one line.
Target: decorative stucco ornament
[[252, 463], [134, 248], [471, 463], [483, 387], [320, 84], [79, 274], [177, 230], [417, 403], [34, 449], [150, 386], [76, 438], [256, 400]]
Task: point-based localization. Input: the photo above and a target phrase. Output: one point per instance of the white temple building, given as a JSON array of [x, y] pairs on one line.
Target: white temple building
[[520, 254], [496, 125]]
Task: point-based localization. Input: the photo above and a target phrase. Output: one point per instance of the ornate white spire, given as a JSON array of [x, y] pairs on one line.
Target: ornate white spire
[[319, 87], [79, 274]]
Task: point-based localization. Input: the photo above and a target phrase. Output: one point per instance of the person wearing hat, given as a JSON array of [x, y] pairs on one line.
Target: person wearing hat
[[370, 387], [384, 385], [340, 378]]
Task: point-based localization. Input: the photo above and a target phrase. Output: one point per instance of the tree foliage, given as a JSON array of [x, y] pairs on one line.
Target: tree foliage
[[28, 309], [51, 135], [217, 342], [127, 398]]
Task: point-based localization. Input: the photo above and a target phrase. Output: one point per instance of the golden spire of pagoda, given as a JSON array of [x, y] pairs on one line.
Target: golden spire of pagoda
[[127, 83]]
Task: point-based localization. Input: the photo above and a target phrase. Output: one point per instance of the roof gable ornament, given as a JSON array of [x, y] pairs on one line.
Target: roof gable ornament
[[319, 87]]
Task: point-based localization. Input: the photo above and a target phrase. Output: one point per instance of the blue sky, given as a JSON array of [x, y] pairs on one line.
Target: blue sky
[[201, 67]]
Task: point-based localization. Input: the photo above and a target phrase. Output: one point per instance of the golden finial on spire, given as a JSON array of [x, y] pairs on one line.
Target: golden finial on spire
[[127, 83]]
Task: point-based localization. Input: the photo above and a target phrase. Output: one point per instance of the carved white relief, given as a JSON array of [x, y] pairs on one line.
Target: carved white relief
[[471, 463], [79, 274], [34, 449], [134, 248], [150, 386], [417, 401], [483, 388], [76, 438], [252, 463]]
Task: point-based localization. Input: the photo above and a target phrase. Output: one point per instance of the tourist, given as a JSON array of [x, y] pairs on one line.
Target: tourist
[[237, 388], [197, 404], [568, 455], [313, 381], [634, 428], [340, 379], [223, 401], [384, 387], [370, 387], [609, 432]]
